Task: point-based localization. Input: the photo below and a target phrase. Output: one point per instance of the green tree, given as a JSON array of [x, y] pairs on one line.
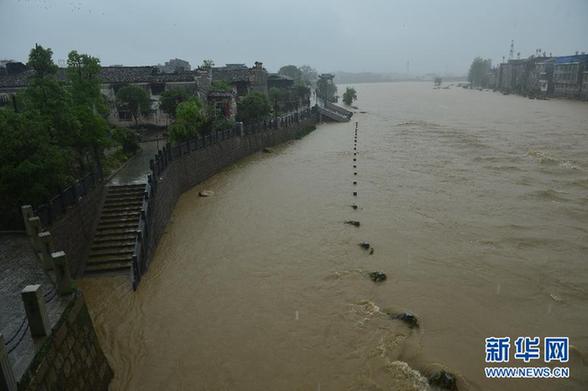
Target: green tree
[[135, 100], [170, 100], [326, 88], [309, 75], [292, 72], [32, 167], [189, 121], [49, 97], [349, 96], [221, 86], [89, 108], [207, 64], [277, 96], [479, 70], [253, 108]]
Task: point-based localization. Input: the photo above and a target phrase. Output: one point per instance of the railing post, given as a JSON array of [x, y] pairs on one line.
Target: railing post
[[46, 248], [62, 274], [7, 379], [36, 311], [35, 227]]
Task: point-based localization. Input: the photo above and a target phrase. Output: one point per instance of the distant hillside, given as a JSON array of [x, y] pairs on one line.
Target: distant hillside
[[372, 77]]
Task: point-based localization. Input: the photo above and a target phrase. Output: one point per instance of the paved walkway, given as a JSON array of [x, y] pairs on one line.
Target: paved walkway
[[19, 267], [137, 169]]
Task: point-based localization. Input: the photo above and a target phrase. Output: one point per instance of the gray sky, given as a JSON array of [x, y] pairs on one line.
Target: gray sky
[[349, 35]]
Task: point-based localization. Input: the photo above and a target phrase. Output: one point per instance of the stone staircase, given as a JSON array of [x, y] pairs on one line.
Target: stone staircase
[[116, 233]]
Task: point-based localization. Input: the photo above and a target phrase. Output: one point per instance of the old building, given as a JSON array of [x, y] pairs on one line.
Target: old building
[[150, 78], [244, 79], [544, 71], [568, 73], [152, 81], [175, 65]]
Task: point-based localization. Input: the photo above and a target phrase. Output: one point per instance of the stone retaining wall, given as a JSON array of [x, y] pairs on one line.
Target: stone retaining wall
[[73, 233], [192, 168], [71, 357]]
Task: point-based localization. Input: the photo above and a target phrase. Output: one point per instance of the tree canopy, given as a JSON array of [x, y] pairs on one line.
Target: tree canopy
[[135, 100], [291, 71], [56, 132], [170, 100], [189, 121], [478, 74], [326, 89], [253, 108], [349, 96]]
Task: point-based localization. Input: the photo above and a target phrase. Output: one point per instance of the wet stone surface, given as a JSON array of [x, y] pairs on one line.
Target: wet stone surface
[[18, 268]]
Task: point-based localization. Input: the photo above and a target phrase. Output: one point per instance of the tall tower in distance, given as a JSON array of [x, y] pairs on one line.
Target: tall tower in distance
[[511, 53]]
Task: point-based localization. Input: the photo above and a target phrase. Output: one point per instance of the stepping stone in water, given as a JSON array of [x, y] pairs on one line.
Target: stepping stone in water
[[443, 380], [364, 245], [353, 222], [377, 276], [409, 318]]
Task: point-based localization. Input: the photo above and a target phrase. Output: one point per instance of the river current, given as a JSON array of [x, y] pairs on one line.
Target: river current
[[475, 203]]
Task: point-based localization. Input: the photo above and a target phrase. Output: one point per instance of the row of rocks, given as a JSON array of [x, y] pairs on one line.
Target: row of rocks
[[442, 379]]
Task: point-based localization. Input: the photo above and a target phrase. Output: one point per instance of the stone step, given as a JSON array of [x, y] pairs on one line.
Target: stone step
[[109, 226], [122, 199], [118, 251], [110, 259], [119, 219], [106, 233], [126, 204], [110, 210], [126, 187], [98, 239], [114, 267], [125, 213], [116, 190], [112, 244]]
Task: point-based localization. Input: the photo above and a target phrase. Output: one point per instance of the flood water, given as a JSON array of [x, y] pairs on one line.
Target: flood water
[[476, 205]]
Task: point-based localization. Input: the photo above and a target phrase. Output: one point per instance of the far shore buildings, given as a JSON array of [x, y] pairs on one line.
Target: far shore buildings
[[542, 76], [155, 80]]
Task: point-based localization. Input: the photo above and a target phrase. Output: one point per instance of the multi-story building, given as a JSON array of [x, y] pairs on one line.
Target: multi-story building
[[568, 74]]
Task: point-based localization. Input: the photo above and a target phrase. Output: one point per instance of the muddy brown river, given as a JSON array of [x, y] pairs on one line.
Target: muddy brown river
[[476, 205]]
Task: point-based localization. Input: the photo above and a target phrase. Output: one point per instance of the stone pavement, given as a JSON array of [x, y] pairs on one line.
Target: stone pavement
[[19, 267], [137, 168]]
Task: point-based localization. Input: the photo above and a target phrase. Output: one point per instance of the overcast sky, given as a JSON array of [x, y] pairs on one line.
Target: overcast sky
[[349, 35]]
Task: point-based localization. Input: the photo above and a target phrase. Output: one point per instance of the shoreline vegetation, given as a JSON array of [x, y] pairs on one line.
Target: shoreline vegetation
[[57, 126]]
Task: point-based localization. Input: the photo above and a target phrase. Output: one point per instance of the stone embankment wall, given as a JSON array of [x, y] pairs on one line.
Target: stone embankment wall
[[191, 168], [70, 358], [73, 232]]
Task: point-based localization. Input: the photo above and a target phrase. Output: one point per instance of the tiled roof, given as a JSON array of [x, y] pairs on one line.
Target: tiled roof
[[231, 74], [143, 74]]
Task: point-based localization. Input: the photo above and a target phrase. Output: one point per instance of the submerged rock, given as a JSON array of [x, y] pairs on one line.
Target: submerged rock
[[371, 251], [353, 222], [409, 318], [354, 206], [443, 380], [378, 276], [206, 193]]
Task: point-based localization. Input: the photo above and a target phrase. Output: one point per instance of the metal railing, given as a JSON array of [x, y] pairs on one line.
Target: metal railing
[[58, 205]]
